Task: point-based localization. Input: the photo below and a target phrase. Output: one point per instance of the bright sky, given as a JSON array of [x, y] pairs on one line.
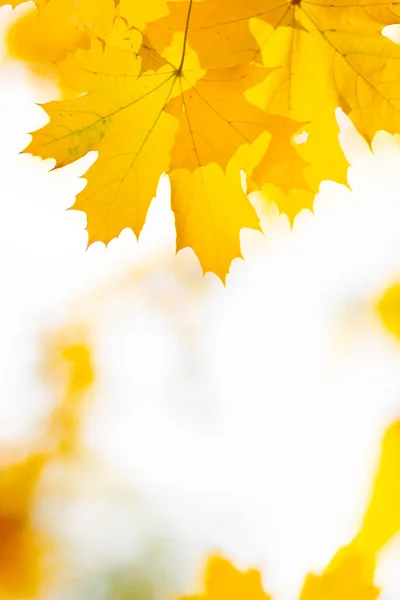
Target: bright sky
[[252, 414]]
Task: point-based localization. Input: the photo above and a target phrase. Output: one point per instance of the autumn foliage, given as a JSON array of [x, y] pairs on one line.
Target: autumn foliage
[[205, 91], [23, 547], [68, 367], [227, 98], [350, 575]]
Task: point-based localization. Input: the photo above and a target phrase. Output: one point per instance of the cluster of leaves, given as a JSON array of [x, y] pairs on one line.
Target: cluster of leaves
[[350, 574], [207, 91]]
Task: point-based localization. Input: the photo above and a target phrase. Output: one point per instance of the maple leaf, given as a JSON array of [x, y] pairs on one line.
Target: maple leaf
[[215, 112], [53, 28], [183, 86], [326, 55], [214, 25], [179, 118], [352, 63]]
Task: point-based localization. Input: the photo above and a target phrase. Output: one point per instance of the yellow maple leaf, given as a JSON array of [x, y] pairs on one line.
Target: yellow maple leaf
[[219, 32], [140, 12], [47, 32], [178, 118], [351, 63], [176, 86], [326, 55]]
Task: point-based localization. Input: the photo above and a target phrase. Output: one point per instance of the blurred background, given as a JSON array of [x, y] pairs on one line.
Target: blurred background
[[150, 417]]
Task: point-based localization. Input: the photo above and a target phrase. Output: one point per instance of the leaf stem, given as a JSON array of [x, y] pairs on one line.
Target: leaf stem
[[179, 69]]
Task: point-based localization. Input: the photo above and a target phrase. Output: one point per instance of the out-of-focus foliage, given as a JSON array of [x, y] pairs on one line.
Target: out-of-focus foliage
[[348, 577], [69, 369], [223, 581], [350, 574], [146, 577], [389, 309], [382, 519], [205, 91], [48, 38], [12, 3], [20, 543], [23, 548], [58, 473]]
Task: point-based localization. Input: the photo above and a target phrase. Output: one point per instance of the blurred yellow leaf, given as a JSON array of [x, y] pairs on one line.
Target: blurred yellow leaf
[[41, 37], [68, 366], [382, 518], [47, 32], [224, 582], [389, 309], [70, 371], [12, 3], [349, 576], [20, 545]]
